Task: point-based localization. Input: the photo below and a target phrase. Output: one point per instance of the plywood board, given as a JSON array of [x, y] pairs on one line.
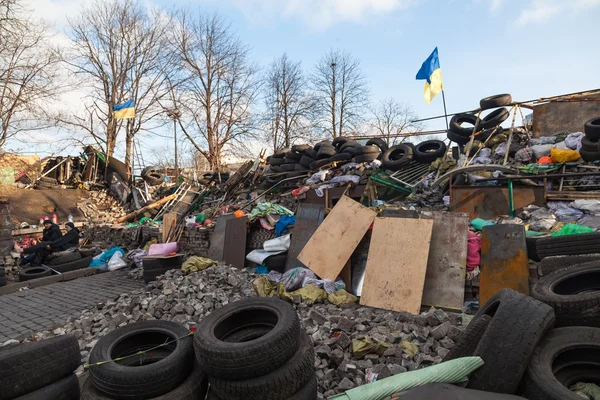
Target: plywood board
[[218, 238], [169, 220], [332, 244], [504, 261], [308, 219], [397, 264], [234, 248], [446, 264]]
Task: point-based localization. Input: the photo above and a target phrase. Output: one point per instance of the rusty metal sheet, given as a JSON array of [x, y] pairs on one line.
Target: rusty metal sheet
[[308, 219], [218, 238], [234, 247], [490, 202], [446, 265], [504, 262]]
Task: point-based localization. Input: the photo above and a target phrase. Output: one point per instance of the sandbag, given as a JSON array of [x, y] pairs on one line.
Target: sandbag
[[564, 155]]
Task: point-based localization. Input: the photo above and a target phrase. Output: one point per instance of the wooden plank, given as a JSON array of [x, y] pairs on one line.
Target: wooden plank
[[217, 240], [335, 239], [308, 219], [446, 265], [168, 224], [234, 248], [504, 261], [397, 264]]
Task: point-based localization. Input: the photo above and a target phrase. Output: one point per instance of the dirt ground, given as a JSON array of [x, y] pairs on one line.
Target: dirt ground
[[28, 205]]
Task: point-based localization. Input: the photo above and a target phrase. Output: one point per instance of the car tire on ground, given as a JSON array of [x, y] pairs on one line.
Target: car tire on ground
[[280, 383], [349, 143], [64, 389], [276, 161], [370, 149], [518, 323], [310, 153], [318, 164], [570, 245], [317, 146], [589, 156], [73, 265], [326, 151], [250, 359], [554, 263], [498, 100], [162, 369], [368, 157], [292, 157], [592, 129], [458, 120], [340, 157], [397, 157], [430, 150], [572, 293], [306, 161], [48, 361], [339, 141], [34, 273], [466, 345], [299, 148], [383, 146], [64, 257], [590, 145]]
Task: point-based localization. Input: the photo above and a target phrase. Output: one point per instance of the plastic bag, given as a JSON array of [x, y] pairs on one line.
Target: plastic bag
[[483, 157], [592, 206], [542, 220], [116, 261], [573, 141], [563, 156], [543, 140], [590, 222], [545, 160], [572, 229], [563, 212], [541, 150], [501, 150]]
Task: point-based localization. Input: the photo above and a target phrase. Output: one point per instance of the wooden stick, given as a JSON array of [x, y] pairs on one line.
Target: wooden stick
[[142, 210]]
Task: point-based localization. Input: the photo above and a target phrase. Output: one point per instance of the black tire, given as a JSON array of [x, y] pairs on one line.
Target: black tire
[[366, 157], [494, 118], [42, 185], [166, 367], [64, 258], [458, 120], [367, 150], [324, 142], [300, 167], [257, 238], [466, 345], [193, 388], [592, 129], [340, 157], [2, 272], [154, 178], [456, 138], [589, 156], [30, 273], [280, 383], [349, 143], [352, 150], [288, 167], [73, 265], [250, 359], [383, 146], [339, 141], [318, 164], [532, 253], [48, 180], [152, 262], [3, 281], [310, 153], [276, 161], [64, 389], [499, 100], [430, 150], [306, 161], [586, 243], [326, 152], [276, 262], [48, 361], [554, 263], [282, 152], [275, 168], [273, 179], [307, 392], [590, 145], [573, 294], [291, 156], [518, 324], [299, 148], [397, 157], [564, 357]]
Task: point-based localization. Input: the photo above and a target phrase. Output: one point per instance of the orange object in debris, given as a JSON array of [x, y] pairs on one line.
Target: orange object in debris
[[545, 160], [239, 214]]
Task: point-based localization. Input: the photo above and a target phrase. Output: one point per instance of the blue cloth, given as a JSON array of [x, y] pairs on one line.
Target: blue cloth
[[261, 270], [103, 258], [283, 223]]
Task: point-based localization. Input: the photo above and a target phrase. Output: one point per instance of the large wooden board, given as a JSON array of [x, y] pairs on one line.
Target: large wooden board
[[308, 219], [217, 241], [446, 265], [234, 246], [397, 264], [332, 244], [504, 261], [169, 220]]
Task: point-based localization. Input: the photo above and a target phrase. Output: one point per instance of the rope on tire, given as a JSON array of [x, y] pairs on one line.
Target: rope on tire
[[142, 352]]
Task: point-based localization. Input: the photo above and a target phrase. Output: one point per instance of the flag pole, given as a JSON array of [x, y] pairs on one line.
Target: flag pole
[[445, 112]]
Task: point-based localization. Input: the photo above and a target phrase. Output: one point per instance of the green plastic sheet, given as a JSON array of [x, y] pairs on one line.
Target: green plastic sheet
[[453, 371], [573, 229], [479, 223]]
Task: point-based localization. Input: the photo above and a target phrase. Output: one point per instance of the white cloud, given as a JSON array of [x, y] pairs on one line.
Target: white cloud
[[543, 10], [496, 5], [321, 14]]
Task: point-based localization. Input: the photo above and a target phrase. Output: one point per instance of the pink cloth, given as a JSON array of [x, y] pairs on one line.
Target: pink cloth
[[163, 248], [473, 251]]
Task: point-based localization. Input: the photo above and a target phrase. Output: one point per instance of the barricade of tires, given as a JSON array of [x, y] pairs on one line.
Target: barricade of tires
[[64, 261], [400, 156], [590, 144], [40, 370], [152, 176], [255, 349]]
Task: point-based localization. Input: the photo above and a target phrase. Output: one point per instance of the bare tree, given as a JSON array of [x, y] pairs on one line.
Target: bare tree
[[391, 117], [341, 92], [218, 84], [28, 71], [289, 106], [119, 52]]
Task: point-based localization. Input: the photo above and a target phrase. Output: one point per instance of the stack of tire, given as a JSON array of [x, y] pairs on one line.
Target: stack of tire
[[40, 370], [165, 371], [399, 156], [590, 144], [45, 183], [217, 178], [62, 262], [489, 124], [255, 349], [154, 266], [571, 245], [152, 176]]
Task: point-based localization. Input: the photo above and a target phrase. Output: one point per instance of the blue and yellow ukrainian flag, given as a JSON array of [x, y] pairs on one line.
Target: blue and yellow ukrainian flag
[[431, 71], [124, 110]]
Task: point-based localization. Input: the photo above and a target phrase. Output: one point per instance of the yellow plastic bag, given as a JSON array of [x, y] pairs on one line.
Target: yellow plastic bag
[[563, 155], [195, 264]]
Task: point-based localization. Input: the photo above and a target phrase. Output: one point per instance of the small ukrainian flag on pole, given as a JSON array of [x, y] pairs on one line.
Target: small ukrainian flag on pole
[[124, 110], [431, 71]]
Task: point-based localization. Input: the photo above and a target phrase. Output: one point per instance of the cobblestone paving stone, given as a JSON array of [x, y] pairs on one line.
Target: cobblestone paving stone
[[47, 307]]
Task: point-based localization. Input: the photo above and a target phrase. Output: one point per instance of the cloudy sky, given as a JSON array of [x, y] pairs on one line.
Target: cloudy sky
[[529, 48]]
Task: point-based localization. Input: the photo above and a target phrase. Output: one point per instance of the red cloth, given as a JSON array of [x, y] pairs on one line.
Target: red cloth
[[473, 249]]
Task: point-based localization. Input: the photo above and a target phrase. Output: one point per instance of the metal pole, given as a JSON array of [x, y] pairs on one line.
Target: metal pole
[[511, 201], [510, 134], [445, 112]]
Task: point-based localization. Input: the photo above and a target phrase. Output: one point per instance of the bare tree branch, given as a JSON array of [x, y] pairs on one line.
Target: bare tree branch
[[390, 117]]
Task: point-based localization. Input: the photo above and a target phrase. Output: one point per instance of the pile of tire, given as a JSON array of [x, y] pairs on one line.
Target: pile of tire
[[156, 362], [61, 262], [40, 370], [45, 183], [590, 144], [571, 245], [154, 266], [255, 349], [152, 176], [399, 156], [489, 124], [217, 178]]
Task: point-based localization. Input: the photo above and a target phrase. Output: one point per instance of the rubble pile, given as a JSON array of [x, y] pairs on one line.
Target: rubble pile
[[101, 207], [389, 342]]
